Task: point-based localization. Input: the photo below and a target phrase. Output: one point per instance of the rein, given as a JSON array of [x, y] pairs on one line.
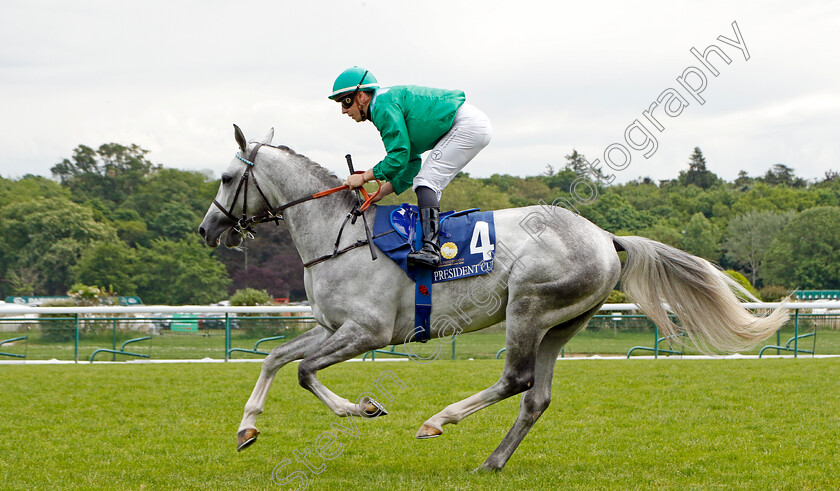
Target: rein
[[243, 225]]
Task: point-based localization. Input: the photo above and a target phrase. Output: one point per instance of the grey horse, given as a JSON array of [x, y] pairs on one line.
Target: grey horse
[[553, 271]]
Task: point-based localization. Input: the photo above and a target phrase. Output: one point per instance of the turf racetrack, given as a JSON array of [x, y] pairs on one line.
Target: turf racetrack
[[637, 424]]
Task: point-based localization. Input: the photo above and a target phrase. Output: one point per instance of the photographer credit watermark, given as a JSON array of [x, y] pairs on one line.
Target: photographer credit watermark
[[640, 135]]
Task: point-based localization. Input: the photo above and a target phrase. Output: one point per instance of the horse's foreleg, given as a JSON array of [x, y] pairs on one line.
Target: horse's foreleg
[[295, 349], [348, 341]]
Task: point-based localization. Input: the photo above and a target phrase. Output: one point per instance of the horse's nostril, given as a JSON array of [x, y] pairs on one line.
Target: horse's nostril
[[201, 231]]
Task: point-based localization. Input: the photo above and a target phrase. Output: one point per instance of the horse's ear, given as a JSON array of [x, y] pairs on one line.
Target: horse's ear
[[268, 137], [240, 139]]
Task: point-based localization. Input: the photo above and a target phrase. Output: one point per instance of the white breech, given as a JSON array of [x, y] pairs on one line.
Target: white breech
[[470, 132]]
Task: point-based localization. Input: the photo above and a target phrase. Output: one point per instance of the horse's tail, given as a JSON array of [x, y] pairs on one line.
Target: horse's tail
[[698, 293]]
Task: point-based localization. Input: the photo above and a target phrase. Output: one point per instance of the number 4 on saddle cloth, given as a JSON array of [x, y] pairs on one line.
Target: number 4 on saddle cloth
[[467, 244]]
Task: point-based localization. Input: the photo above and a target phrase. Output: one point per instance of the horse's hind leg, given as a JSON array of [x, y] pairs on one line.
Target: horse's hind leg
[[295, 349], [536, 400], [522, 341]]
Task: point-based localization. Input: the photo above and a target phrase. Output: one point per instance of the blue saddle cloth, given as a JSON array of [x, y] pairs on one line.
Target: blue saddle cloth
[[467, 240]]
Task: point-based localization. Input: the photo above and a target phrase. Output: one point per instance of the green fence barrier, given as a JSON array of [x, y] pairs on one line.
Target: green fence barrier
[[795, 340], [656, 349], [12, 340], [75, 334], [122, 350], [256, 349]]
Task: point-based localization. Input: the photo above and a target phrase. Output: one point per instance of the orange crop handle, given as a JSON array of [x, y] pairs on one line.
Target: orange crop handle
[[369, 198]]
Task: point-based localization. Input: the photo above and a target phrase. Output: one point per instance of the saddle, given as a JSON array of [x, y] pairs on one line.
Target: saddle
[[467, 240], [467, 243]]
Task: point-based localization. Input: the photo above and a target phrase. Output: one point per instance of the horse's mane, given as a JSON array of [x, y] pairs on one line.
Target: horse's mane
[[322, 174], [318, 171]]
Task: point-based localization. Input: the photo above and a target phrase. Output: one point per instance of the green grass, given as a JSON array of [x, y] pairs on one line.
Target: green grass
[[643, 424]]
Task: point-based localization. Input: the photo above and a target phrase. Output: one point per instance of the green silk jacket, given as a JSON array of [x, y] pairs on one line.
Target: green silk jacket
[[410, 120]]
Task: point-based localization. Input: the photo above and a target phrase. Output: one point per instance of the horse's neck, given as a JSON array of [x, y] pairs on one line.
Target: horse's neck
[[313, 224]]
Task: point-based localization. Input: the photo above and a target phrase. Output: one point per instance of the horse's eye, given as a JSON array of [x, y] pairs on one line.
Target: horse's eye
[[226, 178]]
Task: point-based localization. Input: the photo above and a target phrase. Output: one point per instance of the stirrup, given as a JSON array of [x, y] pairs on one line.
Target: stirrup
[[427, 257]]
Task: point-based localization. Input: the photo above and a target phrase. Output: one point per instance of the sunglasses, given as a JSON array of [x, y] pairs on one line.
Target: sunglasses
[[347, 101]]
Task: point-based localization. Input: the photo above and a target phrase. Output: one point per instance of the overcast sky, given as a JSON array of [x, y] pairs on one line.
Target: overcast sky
[[173, 76]]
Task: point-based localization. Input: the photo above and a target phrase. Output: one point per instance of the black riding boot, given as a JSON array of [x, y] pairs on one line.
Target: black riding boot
[[429, 255]]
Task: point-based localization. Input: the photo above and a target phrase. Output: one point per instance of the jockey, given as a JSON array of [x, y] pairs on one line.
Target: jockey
[[412, 120]]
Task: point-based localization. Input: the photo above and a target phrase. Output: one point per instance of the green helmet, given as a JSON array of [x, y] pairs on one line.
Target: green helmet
[[353, 79]]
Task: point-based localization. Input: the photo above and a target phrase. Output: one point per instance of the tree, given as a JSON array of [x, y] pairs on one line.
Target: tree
[[697, 173], [665, 234], [782, 175], [250, 297], [109, 173], [30, 188], [577, 163], [270, 262], [130, 226], [807, 253], [109, 264], [549, 171], [46, 239], [614, 213], [529, 191], [762, 196], [282, 277], [22, 281], [180, 272], [748, 237], [501, 181], [462, 194], [169, 203], [188, 189], [698, 238], [174, 221], [741, 280], [744, 180]]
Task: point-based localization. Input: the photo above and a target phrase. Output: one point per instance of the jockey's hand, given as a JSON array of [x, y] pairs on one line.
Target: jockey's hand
[[356, 180], [387, 189]]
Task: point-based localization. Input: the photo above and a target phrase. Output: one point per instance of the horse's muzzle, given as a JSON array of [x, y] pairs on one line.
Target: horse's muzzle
[[212, 242]]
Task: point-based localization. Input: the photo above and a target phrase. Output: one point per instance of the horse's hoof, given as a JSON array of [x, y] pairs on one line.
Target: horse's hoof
[[374, 409], [428, 431], [245, 438]]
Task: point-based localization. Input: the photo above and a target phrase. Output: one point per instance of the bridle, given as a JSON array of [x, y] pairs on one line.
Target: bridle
[[243, 225]]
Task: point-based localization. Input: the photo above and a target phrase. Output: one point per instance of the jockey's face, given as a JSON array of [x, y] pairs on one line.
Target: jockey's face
[[361, 101]]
